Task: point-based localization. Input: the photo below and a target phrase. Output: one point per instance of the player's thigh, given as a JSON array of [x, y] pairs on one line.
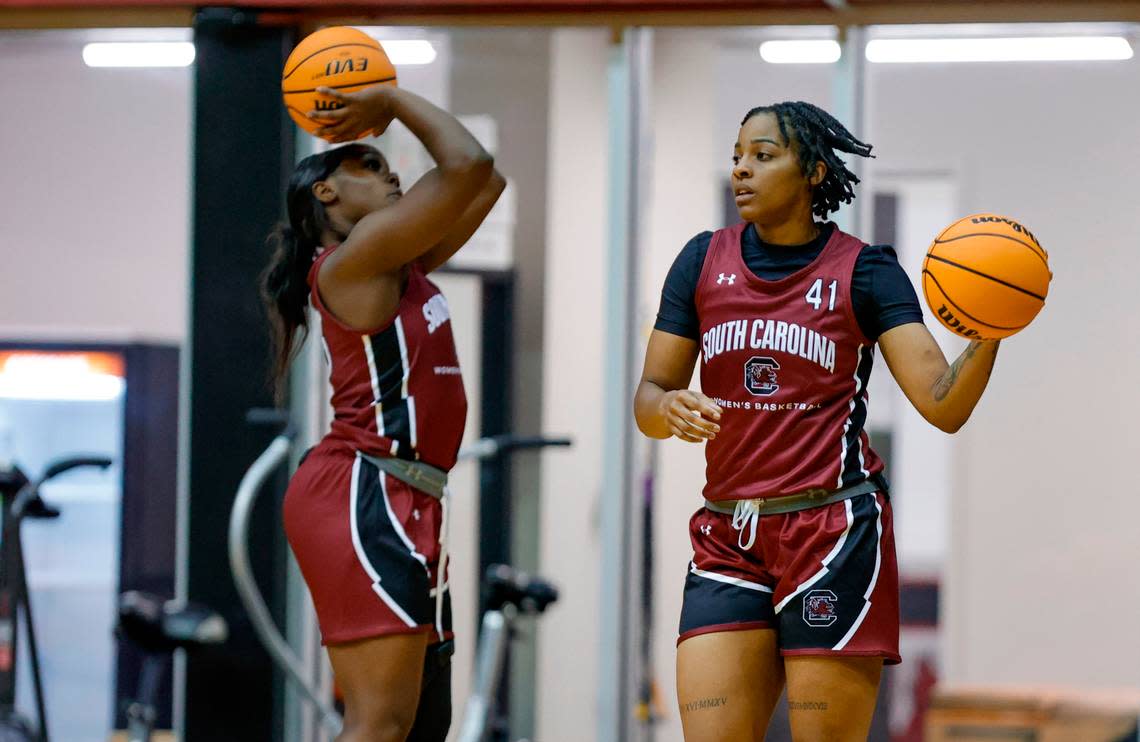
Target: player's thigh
[[380, 679], [832, 699], [728, 683]]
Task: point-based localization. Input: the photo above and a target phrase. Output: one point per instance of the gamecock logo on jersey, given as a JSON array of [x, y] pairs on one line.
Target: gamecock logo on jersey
[[820, 608], [760, 376]]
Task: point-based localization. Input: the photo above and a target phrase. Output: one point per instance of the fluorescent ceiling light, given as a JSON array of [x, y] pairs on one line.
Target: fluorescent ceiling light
[[1021, 49], [139, 54], [57, 377], [804, 51], [409, 51]]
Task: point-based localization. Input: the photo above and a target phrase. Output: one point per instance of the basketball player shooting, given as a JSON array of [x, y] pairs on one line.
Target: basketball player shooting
[[793, 578], [366, 511]]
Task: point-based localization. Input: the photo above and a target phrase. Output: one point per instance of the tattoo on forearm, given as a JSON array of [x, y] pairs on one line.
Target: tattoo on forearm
[[706, 703], [946, 383], [807, 705]]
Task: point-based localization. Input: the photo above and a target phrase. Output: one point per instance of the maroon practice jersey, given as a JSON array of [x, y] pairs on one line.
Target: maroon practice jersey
[[396, 390], [789, 366]]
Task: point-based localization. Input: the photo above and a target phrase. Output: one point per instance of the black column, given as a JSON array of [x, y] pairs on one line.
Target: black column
[[495, 416], [495, 511], [243, 154]]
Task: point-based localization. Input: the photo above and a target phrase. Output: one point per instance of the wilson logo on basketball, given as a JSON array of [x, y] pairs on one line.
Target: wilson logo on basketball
[[1002, 220], [954, 323]]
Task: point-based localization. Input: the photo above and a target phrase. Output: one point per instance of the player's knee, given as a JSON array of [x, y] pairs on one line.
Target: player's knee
[[828, 728], [379, 724]]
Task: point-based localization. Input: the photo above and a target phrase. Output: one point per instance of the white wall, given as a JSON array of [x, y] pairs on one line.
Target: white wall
[[1038, 588], [96, 192], [573, 331]]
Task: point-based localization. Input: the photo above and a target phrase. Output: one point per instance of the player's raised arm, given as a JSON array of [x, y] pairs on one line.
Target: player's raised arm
[[387, 239]]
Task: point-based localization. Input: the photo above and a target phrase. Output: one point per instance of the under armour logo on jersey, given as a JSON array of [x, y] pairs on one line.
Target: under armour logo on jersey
[[706, 529], [722, 278], [416, 514]]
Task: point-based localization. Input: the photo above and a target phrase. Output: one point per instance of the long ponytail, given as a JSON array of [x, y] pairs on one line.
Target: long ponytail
[[285, 293]]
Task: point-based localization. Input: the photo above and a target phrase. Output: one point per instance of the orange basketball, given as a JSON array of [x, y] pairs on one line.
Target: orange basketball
[[986, 277], [339, 57]]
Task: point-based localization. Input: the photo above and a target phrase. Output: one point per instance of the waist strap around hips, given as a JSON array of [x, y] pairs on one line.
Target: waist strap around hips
[[746, 513], [423, 477]]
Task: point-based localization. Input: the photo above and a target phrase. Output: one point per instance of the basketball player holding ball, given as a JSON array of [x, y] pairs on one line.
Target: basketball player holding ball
[[793, 578], [365, 513]]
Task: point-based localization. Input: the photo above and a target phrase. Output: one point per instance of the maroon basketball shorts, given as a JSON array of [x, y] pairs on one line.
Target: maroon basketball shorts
[[825, 579], [368, 547]]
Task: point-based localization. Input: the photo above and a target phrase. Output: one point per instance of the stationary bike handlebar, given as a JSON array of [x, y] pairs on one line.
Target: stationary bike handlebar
[[496, 445], [27, 500], [59, 466]]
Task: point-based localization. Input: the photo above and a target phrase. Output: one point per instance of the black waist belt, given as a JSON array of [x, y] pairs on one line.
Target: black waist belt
[[423, 477], [803, 500]]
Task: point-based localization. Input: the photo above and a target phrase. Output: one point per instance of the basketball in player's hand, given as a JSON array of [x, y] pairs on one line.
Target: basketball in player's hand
[[986, 277], [341, 58]]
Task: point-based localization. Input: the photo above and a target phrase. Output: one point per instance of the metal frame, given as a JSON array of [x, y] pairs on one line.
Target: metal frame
[[28, 14], [628, 72]]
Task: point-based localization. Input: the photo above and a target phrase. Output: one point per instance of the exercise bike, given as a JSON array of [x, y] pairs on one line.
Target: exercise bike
[[19, 499], [508, 593], [158, 627]]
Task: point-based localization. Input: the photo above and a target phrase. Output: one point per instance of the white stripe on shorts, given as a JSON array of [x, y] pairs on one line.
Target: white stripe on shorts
[[728, 580], [874, 577]]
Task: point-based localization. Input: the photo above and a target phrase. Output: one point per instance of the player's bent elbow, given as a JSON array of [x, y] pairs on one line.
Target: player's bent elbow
[[952, 428], [947, 425], [940, 420], [478, 166]]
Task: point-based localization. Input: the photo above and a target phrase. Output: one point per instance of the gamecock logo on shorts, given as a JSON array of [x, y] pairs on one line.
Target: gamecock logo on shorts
[[760, 376], [820, 608]]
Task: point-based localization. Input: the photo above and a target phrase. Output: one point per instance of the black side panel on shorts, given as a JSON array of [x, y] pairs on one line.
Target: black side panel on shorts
[[709, 602], [402, 576], [819, 617]]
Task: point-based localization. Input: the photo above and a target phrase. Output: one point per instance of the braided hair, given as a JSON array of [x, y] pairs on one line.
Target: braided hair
[[818, 136]]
